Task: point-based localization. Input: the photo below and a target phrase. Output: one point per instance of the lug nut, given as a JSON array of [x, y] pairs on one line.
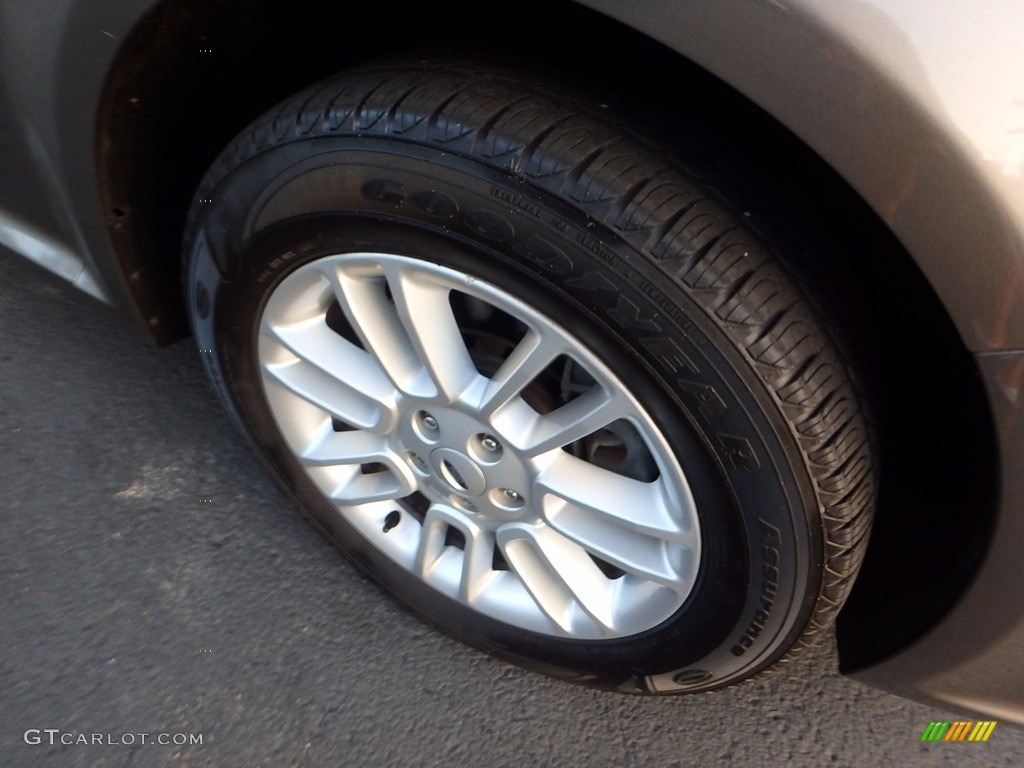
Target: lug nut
[[512, 496], [429, 421], [486, 448]]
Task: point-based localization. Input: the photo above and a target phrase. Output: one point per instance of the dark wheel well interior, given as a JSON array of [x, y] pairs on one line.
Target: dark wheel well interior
[[193, 74]]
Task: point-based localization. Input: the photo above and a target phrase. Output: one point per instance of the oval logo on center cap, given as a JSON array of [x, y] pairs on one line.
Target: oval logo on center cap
[[458, 471], [451, 476]]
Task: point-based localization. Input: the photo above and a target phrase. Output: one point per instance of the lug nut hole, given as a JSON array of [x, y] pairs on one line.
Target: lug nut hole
[[418, 463], [427, 426], [460, 502], [507, 498]]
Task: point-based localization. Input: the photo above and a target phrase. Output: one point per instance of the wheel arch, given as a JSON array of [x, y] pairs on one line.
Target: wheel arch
[[204, 70]]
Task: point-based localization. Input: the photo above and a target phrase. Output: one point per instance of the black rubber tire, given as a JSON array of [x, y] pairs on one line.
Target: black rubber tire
[[624, 246]]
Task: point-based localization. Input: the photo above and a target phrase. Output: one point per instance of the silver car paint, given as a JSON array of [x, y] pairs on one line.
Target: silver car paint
[[920, 106]]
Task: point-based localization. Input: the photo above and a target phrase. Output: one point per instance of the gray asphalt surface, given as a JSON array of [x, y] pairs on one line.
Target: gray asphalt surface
[[131, 605]]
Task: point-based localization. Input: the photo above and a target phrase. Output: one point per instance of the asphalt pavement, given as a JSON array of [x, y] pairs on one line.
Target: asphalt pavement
[[155, 582]]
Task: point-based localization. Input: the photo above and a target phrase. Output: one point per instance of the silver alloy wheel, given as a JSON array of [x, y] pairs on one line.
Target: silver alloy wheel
[[555, 508]]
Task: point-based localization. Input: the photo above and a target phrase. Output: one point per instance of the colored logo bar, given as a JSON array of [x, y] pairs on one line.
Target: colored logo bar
[[958, 730]]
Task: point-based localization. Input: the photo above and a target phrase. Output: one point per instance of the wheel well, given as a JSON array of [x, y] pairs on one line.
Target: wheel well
[[193, 74]]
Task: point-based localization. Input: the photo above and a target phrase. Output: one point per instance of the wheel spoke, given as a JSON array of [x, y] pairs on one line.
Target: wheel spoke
[[476, 569], [478, 552], [615, 499], [332, 373], [431, 546], [361, 291], [535, 434], [647, 557], [631, 524], [425, 311], [354, 447], [559, 575], [342, 456], [359, 488], [527, 361]]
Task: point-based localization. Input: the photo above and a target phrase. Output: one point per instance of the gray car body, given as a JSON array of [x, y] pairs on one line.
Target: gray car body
[[919, 107]]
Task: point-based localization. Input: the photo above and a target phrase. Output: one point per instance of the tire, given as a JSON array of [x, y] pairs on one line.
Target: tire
[[533, 376]]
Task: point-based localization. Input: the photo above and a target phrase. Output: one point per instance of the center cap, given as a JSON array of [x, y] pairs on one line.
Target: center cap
[[458, 471]]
